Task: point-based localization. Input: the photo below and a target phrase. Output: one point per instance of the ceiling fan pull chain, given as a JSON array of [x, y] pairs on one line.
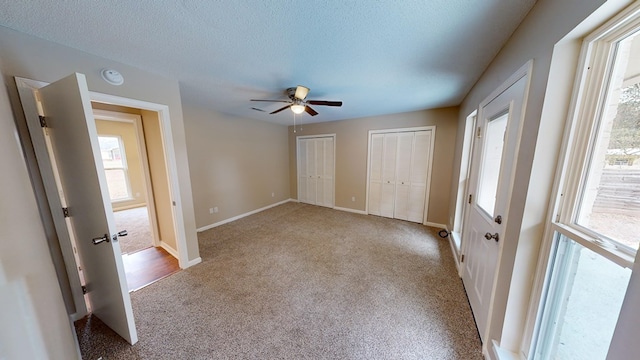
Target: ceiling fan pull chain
[[294, 123]]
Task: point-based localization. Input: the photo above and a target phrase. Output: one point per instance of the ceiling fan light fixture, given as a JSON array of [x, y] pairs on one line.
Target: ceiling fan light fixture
[[297, 108], [301, 92]]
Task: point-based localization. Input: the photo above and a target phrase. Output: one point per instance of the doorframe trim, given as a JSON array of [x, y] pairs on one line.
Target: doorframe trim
[[524, 71], [431, 128], [172, 168], [136, 119], [333, 182]]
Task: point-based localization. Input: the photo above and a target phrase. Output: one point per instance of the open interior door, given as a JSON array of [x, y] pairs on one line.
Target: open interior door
[[69, 118]]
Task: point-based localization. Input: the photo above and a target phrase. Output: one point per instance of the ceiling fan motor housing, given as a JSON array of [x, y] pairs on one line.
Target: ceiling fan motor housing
[[291, 93]]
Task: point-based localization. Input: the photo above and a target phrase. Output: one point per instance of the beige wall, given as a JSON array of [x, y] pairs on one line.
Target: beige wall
[[351, 155], [236, 164], [127, 133], [37, 59], [33, 320], [159, 177]]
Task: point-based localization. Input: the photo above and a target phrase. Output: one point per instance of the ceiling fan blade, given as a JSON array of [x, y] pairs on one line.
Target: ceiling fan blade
[[284, 101], [301, 92], [282, 108], [310, 111], [254, 108], [325, 103]]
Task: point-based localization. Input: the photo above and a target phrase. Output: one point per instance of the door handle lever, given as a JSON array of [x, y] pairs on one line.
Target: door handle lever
[[488, 236], [123, 233], [98, 240]]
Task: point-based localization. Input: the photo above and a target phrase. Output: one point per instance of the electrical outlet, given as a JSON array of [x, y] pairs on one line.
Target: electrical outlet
[[215, 209], [353, 198], [210, 210]]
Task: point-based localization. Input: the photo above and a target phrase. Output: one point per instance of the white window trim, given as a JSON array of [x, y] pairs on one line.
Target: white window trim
[[125, 168], [588, 109]]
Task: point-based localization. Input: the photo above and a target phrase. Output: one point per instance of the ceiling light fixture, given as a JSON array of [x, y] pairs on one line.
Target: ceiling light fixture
[[297, 108]]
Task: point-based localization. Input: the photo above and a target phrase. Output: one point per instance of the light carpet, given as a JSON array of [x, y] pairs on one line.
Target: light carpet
[[136, 222], [303, 282]]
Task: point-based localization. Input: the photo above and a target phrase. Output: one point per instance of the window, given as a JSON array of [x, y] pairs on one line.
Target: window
[[597, 221], [115, 167], [463, 179]]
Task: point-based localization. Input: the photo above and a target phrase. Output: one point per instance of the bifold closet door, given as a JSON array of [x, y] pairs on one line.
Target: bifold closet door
[[324, 171], [316, 171], [398, 172]]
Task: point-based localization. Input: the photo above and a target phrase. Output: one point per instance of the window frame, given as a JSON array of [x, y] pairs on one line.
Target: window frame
[[593, 69], [124, 168], [594, 85]]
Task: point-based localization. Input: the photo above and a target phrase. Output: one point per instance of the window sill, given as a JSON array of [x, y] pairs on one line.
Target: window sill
[[502, 354]]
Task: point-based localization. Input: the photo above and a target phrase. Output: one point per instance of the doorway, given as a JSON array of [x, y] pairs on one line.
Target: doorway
[[137, 192], [498, 131], [66, 105]]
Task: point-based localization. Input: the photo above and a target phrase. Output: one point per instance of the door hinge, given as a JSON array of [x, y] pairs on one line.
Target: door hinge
[[84, 290], [470, 197], [462, 258], [478, 131], [65, 212], [43, 121]]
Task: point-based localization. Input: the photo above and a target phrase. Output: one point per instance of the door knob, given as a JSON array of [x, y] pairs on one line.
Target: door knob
[[98, 240], [498, 219], [488, 236]]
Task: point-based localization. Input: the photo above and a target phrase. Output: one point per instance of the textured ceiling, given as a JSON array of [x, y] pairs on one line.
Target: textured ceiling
[[378, 57]]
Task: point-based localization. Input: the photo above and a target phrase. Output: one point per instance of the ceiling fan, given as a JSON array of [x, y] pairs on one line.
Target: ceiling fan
[[297, 102]]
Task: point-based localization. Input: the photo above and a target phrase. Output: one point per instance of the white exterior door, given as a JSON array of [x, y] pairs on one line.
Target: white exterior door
[[67, 108], [316, 169], [491, 177]]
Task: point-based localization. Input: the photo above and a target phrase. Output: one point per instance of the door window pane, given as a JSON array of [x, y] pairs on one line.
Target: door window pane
[[491, 161], [610, 197], [582, 305]]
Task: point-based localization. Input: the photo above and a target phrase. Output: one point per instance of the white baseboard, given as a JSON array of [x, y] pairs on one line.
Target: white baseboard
[[454, 251], [361, 212], [436, 225], [195, 261], [207, 227], [169, 249], [74, 317], [128, 207]]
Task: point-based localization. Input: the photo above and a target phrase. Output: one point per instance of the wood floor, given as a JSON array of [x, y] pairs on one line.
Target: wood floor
[[147, 266]]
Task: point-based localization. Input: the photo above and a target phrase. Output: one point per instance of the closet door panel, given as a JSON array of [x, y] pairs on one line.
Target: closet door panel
[[387, 195], [375, 173], [312, 181], [302, 170], [389, 158], [419, 169], [329, 146], [386, 199], [420, 161], [416, 205], [401, 206], [403, 175]]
